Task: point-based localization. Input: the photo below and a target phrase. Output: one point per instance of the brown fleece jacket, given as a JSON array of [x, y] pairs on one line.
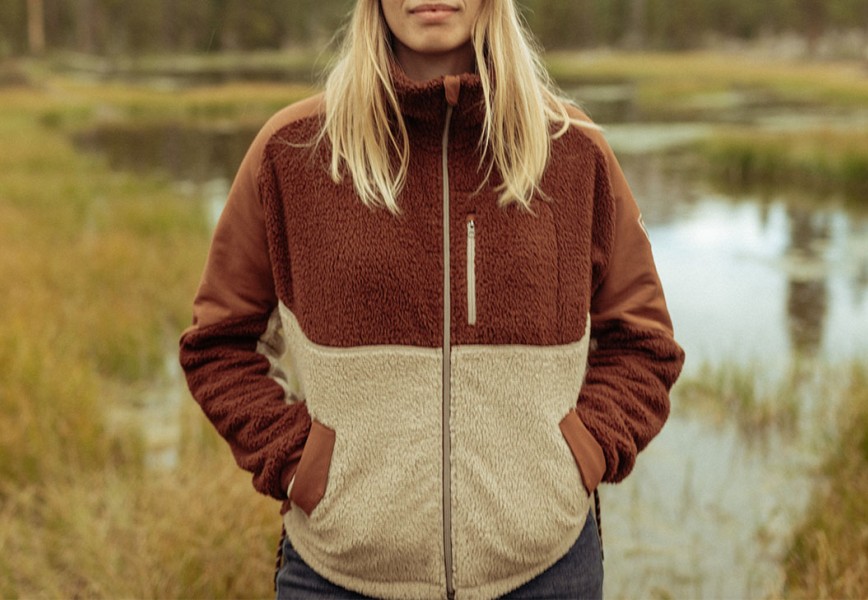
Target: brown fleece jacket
[[462, 376]]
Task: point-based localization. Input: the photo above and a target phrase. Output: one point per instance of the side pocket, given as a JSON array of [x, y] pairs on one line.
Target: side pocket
[[586, 451], [313, 468]]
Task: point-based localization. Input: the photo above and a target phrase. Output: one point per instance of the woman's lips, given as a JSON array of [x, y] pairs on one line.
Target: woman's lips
[[434, 12], [433, 8]]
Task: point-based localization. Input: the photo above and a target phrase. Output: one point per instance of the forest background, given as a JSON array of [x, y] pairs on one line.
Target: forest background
[[119, 26]]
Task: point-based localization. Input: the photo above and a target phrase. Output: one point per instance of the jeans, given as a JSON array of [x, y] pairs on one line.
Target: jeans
[[578, 574]]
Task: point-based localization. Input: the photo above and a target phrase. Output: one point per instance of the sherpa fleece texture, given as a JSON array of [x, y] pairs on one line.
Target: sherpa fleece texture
[[559, 382]]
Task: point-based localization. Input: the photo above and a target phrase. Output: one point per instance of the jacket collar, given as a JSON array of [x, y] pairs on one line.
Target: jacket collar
[[427, 101]]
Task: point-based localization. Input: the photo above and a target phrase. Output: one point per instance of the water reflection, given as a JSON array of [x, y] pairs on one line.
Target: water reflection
[[807, 291], [607, 103], [185, 152], [754, 278]]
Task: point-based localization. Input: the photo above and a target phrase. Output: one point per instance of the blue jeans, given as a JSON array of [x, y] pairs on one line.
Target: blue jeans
[[578, 574]]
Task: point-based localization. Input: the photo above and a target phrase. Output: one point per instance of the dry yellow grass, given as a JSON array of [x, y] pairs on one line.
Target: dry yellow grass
[[100, 268], [670, 79], [197, 532], [829, 554]]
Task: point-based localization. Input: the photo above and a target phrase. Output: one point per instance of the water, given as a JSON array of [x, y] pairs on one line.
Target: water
[[705, 514], [182, 151], [751, 278], [754, 280], [762, 283]]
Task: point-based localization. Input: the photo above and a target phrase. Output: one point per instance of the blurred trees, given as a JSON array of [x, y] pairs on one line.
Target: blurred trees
[[124, 26], [682, 24], [35, 26]]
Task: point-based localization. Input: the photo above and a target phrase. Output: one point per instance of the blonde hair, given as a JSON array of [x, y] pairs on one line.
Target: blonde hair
[[523, 110]]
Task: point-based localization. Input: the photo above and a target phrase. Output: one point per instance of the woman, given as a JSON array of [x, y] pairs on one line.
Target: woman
[[449, 256]]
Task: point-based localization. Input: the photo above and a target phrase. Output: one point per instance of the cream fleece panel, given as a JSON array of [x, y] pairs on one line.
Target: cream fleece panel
[[518, 502], [384, 405], [272, 345], [518, 499]]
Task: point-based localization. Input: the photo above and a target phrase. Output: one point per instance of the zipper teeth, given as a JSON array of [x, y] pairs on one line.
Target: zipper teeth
[[447, 368], [471, 270]]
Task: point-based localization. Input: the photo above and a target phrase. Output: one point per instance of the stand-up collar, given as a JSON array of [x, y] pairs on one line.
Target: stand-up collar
[[427, 100]]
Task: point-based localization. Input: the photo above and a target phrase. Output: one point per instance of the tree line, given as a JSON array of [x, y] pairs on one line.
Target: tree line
[[685, 24], [125, 27]]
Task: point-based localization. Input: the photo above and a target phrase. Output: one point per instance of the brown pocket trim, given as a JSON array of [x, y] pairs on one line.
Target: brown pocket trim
[[586, 451], [313, 468]]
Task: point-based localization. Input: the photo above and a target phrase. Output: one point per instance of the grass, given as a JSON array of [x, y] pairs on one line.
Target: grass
[[100, 269], [828, 557], [675, 83], [744, 395], [824, 160], [695, 85], [197, 532]]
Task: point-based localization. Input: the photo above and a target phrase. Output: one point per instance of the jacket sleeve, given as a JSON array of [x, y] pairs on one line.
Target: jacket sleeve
[[230, 353], [634, 359]]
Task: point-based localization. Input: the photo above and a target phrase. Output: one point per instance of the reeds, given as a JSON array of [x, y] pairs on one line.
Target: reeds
[[830, 160], [828, 557], [755, 401]]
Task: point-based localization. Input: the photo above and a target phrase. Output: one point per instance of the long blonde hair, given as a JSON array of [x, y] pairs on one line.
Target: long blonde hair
[[523, 111]]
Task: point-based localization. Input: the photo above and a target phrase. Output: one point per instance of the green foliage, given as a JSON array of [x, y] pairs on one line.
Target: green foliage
[[676, 24], [578, 23], [117, 26]]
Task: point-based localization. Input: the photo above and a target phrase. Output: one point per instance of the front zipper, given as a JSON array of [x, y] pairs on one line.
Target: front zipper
[[471, 270], [447, 368]]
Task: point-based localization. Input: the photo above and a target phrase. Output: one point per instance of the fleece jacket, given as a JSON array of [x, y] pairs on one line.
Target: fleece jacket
[[435, 395]]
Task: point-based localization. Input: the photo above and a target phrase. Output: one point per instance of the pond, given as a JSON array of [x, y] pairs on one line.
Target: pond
[[771, 284], [755, 277], [771, 287]]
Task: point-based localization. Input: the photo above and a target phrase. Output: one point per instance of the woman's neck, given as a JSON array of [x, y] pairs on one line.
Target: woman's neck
[[424, 67]]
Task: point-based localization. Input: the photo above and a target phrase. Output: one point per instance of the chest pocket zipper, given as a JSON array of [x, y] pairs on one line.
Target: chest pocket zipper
[[471, 270]]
